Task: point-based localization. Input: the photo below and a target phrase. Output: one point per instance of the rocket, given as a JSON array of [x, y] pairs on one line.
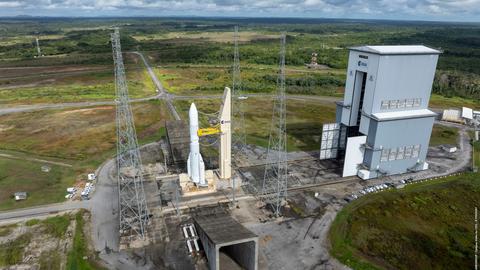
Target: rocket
[[195, 165]]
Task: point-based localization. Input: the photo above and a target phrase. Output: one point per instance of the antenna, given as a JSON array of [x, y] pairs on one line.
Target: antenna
[[132, 203], [275, 180]]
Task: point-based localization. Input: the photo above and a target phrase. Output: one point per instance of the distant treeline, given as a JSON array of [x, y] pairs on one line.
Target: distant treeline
[[87, 41]]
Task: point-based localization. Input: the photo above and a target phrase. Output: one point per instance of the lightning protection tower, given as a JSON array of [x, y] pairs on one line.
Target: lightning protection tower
[[133, 210], [274, 188], [239, 137], [39, 52]]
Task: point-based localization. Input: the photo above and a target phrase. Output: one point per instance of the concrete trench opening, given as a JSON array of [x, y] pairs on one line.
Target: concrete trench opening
[[237, 256]]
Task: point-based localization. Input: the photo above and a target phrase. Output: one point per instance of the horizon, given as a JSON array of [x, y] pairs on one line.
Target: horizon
[[395, 10], [26, 16]]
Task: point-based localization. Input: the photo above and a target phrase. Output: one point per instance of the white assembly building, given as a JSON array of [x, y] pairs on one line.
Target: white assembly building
[[383, 125]]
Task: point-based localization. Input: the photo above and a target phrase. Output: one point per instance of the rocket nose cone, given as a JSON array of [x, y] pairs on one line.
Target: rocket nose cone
[[193, 107], [193, 110]]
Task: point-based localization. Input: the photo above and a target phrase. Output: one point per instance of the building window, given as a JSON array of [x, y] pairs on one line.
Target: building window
[[408, 152], [417, 102], [384, 156], [393, 104], [400, 152], [416, 151], [400, 103], [393, 154], [384, 105], [409, 103]]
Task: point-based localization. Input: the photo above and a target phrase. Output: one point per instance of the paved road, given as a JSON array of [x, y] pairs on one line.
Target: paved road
[[45, 210], [105, 217], [23, 157], [163, 93], [38, 107]]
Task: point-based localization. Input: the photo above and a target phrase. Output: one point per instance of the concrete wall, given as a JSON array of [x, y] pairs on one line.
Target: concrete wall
[[209, 247], [244, 253]]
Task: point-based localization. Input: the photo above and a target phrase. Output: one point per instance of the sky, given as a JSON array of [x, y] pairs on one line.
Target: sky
[[431, 10]]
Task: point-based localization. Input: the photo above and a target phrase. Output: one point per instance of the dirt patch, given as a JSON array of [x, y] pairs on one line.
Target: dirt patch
[[39, 244], [5, 128], [264, 240], [86, 111]]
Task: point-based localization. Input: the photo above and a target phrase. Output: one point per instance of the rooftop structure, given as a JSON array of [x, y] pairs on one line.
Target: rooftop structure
[[396, 49], [19, 196]]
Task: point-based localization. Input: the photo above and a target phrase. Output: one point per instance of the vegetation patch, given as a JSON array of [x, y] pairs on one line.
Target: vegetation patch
[[12, 252], [443, 135], [50, 260], [426, 225], [41, 187], [76, 257], [6, 230], [304, 120], [57, 226], [82, 137]]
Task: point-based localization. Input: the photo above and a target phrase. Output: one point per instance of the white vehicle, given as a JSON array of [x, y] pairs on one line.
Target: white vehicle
[[362, 192], [71, 190], [242, 97], [91, 176]]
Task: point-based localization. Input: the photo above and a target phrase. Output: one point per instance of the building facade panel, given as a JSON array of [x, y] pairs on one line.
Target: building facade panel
[[394, 145], [406, 82]]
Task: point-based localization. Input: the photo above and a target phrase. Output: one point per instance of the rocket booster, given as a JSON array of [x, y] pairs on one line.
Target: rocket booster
[[195, 165]]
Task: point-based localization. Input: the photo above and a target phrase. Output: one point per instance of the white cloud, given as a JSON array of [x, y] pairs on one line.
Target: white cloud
[[12, 4], [417, 9]]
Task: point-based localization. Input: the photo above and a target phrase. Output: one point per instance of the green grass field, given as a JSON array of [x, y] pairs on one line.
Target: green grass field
[[191, 79], [42, 188], [443, 135], [71, 83], [82, 137], [304, 120], [423, 226]]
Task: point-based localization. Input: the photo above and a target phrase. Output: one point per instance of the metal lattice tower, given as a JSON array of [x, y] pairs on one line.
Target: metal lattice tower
[[133, 210], [274, 188], [39, 52], [238, 115]]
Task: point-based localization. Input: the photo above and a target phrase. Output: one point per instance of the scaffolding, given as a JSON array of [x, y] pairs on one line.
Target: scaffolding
[[274, 188], [133, 212]]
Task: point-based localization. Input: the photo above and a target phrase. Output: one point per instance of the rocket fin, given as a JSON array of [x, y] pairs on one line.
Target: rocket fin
[[202, 171], [189, 165]]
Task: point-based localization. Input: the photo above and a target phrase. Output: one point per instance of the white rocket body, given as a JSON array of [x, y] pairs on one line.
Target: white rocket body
[[195, 165]]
